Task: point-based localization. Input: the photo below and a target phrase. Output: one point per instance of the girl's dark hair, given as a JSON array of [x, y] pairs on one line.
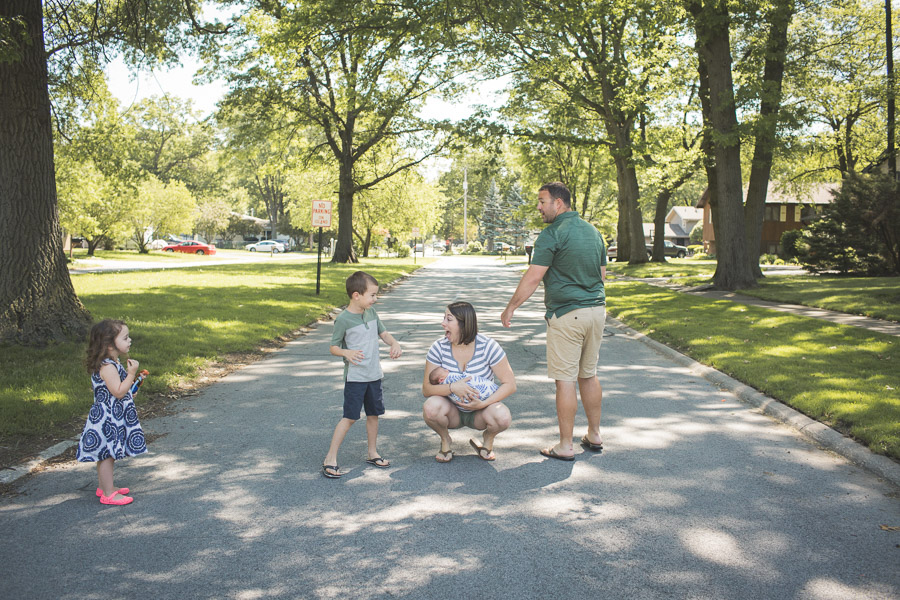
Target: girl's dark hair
[[103, 337], [468, 322]]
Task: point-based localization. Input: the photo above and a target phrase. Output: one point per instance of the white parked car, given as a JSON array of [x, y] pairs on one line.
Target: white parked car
[[265, 246]]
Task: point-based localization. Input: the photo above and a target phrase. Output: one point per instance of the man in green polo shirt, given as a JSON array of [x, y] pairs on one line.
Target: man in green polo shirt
[[570, 257]]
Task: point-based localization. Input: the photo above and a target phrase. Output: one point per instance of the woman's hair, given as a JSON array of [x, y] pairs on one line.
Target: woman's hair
[[103, 337], [468, 322]]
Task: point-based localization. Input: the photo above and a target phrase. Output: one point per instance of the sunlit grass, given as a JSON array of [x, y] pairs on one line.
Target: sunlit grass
[[180, 320], [877, 297], [842, 375], [674, 267]]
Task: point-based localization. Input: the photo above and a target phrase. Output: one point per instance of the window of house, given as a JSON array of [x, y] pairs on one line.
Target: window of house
[[783, 215], [771, 213]]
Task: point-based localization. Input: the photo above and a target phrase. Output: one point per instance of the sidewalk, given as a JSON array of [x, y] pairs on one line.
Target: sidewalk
[[877, 325], [696, 494]]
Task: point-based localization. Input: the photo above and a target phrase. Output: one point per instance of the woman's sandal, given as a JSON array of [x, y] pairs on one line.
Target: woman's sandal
[[379, 462], [337, 471], [448, 456], [488, 453]]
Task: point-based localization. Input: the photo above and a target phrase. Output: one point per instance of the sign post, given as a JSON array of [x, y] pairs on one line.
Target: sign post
[[321, 217], [415, 232]]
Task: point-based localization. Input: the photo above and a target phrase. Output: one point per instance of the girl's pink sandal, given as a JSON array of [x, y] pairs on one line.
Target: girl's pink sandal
[[122, 491], [116, 499]]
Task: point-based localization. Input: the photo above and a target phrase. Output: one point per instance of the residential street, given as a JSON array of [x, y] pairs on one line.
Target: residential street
[[696, 494]]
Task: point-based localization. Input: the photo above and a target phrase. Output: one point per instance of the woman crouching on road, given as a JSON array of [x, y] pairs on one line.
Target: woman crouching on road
[[450, 406]]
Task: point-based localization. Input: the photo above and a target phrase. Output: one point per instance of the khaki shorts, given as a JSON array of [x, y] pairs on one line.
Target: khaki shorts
[[573, 343]]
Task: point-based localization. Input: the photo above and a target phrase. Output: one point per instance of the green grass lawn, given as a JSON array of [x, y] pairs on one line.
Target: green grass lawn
[[674, 267], [180, 321], [843, 376], [877, 297]]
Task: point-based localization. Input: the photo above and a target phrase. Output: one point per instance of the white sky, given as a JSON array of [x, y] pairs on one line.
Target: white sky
[[178, 81]]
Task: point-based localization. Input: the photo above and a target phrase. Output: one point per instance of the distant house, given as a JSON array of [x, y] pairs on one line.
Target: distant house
[[785, 209], [679, 223]]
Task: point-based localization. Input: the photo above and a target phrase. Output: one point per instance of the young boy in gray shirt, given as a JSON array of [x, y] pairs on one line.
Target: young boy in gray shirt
[[356, 333]]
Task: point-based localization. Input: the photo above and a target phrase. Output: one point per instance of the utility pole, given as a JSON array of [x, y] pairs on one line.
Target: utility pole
[[889, 42], [465, 208]]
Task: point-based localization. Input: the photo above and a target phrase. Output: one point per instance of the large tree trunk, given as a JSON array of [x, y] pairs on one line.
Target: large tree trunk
[[37, 301], [631, 230], [343, 250], [766, 129], [712, 24], [659, 225]]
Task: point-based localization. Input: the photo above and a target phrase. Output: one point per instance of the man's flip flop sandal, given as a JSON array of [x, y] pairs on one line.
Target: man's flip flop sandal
[[337, 473], [591, 445]]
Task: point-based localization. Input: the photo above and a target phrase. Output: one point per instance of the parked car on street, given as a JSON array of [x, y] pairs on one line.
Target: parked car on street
[[671, 250], [191, 247], [266, 246]]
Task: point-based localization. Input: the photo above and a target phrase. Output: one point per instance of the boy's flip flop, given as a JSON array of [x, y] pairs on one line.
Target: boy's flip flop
[[337, 473], [379, 462], [488, 454], [551, 453]]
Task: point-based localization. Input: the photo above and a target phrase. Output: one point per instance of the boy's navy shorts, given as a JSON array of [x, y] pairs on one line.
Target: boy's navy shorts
[[358, 394]]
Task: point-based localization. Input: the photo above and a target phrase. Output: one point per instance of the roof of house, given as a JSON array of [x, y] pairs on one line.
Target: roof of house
[[816, 193], [668, 233], [686, 213]]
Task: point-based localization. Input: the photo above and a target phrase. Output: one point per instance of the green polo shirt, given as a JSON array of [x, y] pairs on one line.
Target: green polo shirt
[[575, 252]]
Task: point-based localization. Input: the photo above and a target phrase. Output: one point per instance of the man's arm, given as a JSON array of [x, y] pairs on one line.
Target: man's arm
[[529, 282]]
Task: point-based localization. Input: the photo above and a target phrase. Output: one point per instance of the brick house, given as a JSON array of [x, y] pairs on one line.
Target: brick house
[[785, 209]]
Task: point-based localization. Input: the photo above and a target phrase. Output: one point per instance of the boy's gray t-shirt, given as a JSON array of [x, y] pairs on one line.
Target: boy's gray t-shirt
[[355, 331]]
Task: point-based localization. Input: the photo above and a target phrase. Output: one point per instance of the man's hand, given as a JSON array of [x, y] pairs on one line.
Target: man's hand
[[506, 316]]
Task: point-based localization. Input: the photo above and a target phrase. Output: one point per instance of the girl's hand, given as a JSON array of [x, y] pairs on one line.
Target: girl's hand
[[132, 366]]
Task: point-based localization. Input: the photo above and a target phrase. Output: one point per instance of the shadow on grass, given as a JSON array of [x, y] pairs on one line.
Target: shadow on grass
[[843, 376]]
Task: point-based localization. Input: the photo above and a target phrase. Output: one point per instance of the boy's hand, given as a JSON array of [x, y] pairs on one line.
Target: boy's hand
[[354, 356], [396, 351]]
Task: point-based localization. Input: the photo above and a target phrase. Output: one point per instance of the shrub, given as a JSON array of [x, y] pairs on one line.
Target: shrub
[[859, 232], [768, 259], [700, 256], [402, 251], [474, 247], [695, 248], [697, 233]]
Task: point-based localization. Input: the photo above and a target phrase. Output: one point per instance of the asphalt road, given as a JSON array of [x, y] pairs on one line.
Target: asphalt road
[[695, 496]]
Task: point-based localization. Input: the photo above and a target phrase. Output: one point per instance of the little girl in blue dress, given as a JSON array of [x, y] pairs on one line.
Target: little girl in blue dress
[[112, 430]]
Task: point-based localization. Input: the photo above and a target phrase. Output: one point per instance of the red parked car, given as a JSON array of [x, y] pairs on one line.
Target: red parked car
[[191, 247]]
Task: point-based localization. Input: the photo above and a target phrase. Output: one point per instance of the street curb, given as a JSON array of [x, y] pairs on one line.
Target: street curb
[[10, 475], [823, 435]]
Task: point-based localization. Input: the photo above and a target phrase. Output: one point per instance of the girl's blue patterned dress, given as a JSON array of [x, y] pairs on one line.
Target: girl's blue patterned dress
[[112, 429]]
